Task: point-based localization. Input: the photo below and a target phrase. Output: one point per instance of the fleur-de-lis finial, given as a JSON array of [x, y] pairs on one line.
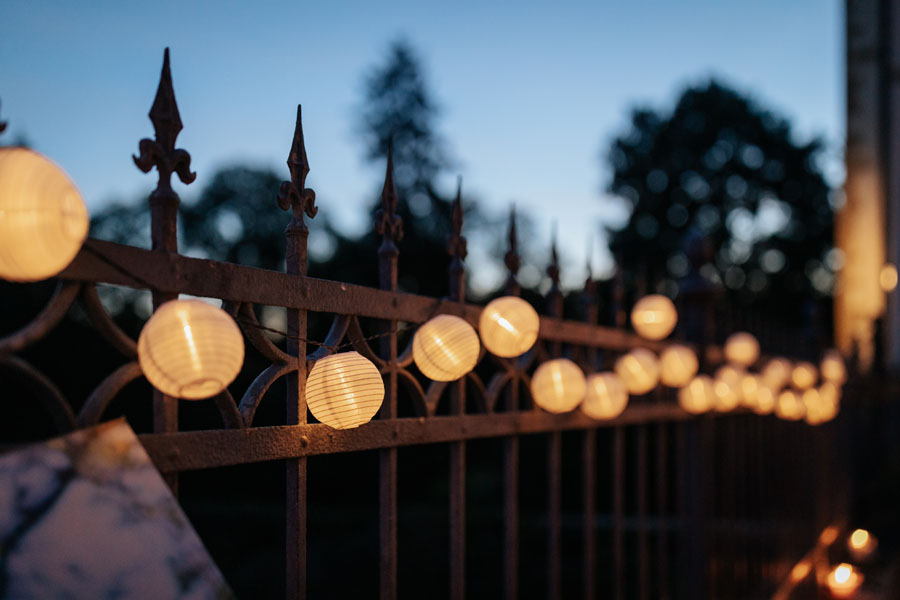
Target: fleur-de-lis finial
[[511, 259], [457, 246], [553, 268], [166, 125], [2, 126], [590, 286], [388, 224], [294, 194]]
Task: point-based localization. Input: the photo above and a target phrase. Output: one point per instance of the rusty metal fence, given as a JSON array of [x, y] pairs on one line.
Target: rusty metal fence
[[671, 505]]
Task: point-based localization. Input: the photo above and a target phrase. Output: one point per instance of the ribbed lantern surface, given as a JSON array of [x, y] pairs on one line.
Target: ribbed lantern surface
[[445, 348], [654, 317], [742, 348], [606, 396], [558, 386], [344, 390], [677, 366], [639, 369], [698, 396], [509, 326], [43, 220], [190, 349]]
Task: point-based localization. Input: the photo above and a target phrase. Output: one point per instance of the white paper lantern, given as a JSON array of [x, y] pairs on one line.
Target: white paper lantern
[[509, 326], [777, 373], [558, 386], [190, 349], [606, 396], [677, 366], [698, 396], [639, 369], [344, 390], [654, 317], [445, 348], [789, 406], [804, 375], [728, 387], [833, 368], [741, 348], [765, 400], [43, 220]]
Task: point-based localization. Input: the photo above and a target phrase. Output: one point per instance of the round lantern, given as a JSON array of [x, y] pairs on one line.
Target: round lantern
[[862, 545], [804, 375], [639, 369], [43, 220], [750, 384], [741, 348], [677, 366], [445, 348], [654, 317], [833, 368], [789, 406], [606, 396], [777, 373], [558, 386], [843, 581], [830, 393], [509, 326], [190, 349], [698, 396], [344, 390], [728, 387], [765, 400]]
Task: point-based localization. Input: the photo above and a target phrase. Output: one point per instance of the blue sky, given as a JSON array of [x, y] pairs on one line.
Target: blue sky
[[530, 92]]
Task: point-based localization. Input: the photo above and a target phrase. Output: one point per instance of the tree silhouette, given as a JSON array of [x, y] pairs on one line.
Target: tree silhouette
[[721, 167]]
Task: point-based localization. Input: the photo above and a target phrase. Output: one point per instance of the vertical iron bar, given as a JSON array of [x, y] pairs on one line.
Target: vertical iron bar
[[589, 453], [662, 499], [554, 450], [643, 555], [618, 512], [511, 446]]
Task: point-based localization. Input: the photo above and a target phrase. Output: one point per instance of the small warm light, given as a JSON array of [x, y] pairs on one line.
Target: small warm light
[[677, 366], [727, 386], [445, 348], [765, 400], [750, 384], [843, 581], [861, 544], [828, 535], [800, 571], [859, 539], [833, 368], [639, 369], [558, 386], [509, 326], [43, 220], [789, 406], [606, 396], [190, 349], [344, 390], [804, 375], [887, 278], [741, 348], [816, 409], [698, 396], [654, 317], [777, 373]]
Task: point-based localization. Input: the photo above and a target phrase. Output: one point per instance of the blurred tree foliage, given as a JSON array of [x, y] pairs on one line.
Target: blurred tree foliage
[[723, 168]]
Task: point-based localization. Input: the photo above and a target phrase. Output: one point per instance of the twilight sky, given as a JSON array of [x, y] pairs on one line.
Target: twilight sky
[[531, 92]]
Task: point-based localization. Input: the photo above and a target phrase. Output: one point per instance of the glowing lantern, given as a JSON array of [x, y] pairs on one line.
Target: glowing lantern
[[830, 393], [843, 581], [677, 366], [887, 278], [344, 390], [698, 396], [190, 349], [43, 220], [509, 326], [654, 317], [861, 544], [742, 348], [728, 387], [833, 368], [788, 406], [804, 375], [445, 348], [558, 386], [639, 369], [801, 570], [777, 373], [606, 396], [764, 403], [816, 408]]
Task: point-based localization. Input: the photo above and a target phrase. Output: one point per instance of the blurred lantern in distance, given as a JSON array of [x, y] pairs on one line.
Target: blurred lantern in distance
[[699, 396], [558, 386], [887, 278], [741, 348], [639, 370], [804, 375], [789, 406], [765, 400], [677, 366], [750, 384], [344, 390], [728, 387], [862, 545], [606, 396], [509, 326], [190, 349], [843, 581], [833, 368], [777, 373], [654, 317], [43, 220], [445, 348]]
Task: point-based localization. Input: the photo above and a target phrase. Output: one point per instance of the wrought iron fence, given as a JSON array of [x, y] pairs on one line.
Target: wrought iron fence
[[671, 505]]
